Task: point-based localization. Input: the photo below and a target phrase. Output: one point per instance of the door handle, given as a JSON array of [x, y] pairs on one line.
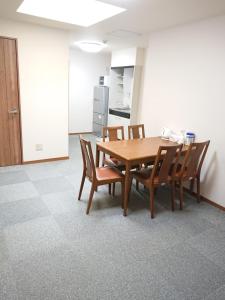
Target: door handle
[[13, 111]]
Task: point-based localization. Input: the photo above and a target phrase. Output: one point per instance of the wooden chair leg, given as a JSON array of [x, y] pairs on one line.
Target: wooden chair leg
[[109, 188], [90, 198], [103, 160], [114, 188], [137, 185], [192, 185], [81, 186], [152, 202], [122, 194], [173, 196], [181, 195], [198, 190]]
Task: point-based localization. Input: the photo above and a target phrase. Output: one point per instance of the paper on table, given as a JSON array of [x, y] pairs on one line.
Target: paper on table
[[166, 133], [169, 134]]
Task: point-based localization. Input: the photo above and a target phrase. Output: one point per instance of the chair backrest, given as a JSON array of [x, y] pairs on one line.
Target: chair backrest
[[136, 131], [193, 160], [112, 133], [165, 163], [88, 159], [203, 157]]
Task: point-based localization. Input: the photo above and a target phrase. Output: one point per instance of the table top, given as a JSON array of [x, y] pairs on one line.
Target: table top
[[135, 149]]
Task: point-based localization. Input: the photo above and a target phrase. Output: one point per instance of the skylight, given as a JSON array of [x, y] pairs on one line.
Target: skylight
[[77, 12]]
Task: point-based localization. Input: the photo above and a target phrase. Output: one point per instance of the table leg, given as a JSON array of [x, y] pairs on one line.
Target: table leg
[[97, 157], [127, 187]]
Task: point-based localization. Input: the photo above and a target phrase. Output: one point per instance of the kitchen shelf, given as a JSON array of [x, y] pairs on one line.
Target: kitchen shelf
[[125, 77]]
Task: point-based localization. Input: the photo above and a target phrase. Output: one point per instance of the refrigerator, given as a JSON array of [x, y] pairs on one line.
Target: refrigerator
[[100, 109]]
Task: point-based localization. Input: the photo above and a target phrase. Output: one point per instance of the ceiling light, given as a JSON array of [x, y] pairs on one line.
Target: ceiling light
[[90, 46], [77, 12]]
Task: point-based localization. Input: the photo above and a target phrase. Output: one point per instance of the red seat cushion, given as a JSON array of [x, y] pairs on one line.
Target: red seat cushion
[[108, 174]]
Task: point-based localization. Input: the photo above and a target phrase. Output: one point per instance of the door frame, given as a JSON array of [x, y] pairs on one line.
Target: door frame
[[18, 86]]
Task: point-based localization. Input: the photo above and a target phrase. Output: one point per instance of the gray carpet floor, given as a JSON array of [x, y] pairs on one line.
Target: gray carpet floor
[[50, 249]]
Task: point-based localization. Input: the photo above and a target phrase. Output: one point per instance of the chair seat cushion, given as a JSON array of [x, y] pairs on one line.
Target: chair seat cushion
[[114, 162], [144, 175], [108, 174]]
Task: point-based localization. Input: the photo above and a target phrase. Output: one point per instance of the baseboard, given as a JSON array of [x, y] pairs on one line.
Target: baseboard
[[206, 200], [77, 133], [213, 203], [45, 160]]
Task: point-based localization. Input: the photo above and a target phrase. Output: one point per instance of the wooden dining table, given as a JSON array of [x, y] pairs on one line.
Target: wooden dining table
[[132, 153]]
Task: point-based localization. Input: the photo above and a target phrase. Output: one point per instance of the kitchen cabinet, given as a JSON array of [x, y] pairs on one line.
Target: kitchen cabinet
[[127, 57]]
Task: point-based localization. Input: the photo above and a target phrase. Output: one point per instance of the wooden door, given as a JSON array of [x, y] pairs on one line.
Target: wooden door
[[10, 130]]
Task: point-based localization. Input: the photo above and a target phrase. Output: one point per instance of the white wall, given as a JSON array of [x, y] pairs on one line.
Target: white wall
[[43, 70], [184, 88], [85, 69]]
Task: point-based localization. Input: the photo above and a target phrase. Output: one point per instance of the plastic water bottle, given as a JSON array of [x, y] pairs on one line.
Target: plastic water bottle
[[190, 138]]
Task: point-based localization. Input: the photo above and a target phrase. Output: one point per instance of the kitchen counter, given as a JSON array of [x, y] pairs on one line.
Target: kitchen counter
[[124, 113]]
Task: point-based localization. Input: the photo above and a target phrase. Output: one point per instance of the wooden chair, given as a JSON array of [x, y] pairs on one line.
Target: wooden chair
[[167, 158], [190, 168], [136, 131], [113, 133], [97, 176]]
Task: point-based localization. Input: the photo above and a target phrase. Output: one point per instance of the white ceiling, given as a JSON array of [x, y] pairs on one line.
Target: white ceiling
[[141, 17]]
